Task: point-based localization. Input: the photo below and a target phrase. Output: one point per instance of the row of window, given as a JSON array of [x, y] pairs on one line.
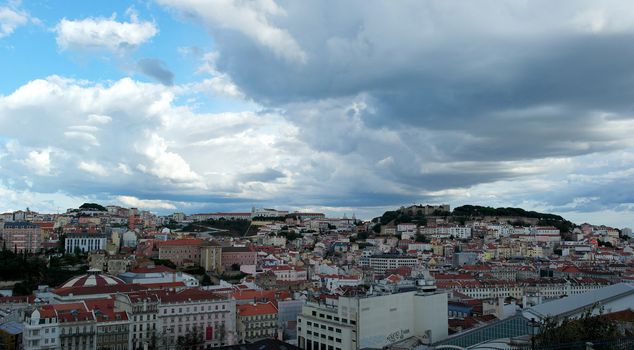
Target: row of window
[[323, 336], [313, 345], [323, 326], [202, 308], [334, 318]]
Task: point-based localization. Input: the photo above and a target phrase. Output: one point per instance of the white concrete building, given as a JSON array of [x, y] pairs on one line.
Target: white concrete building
[[361, 322], [84, 242], [333, 282], [129, 239], [460, 232], [41, 330], [289, 273], [381, 263]]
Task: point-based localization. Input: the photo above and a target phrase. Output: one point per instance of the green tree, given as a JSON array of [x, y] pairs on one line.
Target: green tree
[[206, 280], [422, 238], [92, 206], [585, 328]]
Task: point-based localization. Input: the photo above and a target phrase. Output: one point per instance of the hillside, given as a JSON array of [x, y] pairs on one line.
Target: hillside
[[470, 212]]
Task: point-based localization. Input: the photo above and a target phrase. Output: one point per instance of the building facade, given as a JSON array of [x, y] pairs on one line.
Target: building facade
[[22, 236], [256, 321], [238, 256], [361, 322], [84, 242], [180, 251], [197, 319]]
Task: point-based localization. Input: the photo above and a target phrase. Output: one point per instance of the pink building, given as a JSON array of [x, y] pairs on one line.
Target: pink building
[[237, 255], [23, 236], [180, 251]]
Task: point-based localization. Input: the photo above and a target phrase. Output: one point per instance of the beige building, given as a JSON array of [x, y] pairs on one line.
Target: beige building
[[256, 321], [211, 256]]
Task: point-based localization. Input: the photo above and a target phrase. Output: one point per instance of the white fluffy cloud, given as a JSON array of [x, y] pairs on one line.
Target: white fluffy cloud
[[39, 161], [134, 202], [103, 34], [93, 168], [133, 138], [10, 19], [166, 164]]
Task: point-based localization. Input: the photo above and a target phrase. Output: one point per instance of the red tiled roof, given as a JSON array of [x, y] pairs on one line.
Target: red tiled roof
[[177, 242], [188, 294], [256, 309], [269, 295]]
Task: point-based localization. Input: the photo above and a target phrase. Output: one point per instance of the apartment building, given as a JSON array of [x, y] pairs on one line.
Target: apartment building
[[22, 236], [85, 242], [381, 263], [256, 321], [197, 314], [180, 251], [238, 256], [142, 310], [361, 322]]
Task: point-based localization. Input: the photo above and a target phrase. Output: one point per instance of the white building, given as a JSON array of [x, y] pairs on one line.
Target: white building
[[406, 228], [200, 312], [289, 273], [381, 263], [544, 230], [158, 275], [460, 232], [362, 322], [41, 330], [267, 213], [84, 242], [129, 240], [333, 282]]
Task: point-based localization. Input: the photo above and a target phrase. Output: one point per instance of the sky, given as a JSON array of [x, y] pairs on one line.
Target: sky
[[331, 106]]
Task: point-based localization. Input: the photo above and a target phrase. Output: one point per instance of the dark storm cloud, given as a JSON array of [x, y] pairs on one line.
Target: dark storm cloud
[[156, 69]]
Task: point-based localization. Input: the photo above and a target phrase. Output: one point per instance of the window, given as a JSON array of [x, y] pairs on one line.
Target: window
[[338, 340], [338, 330]]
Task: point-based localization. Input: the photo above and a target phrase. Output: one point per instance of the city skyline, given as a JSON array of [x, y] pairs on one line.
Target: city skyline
[[184, 106]]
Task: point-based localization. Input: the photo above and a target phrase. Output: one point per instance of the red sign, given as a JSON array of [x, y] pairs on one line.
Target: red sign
[[209, 334]]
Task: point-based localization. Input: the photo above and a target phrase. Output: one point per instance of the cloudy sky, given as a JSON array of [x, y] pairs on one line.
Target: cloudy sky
[[336, 106]]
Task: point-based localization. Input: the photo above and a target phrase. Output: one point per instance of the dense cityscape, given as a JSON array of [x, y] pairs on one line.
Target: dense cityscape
[[316, 175], [108, 277]]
